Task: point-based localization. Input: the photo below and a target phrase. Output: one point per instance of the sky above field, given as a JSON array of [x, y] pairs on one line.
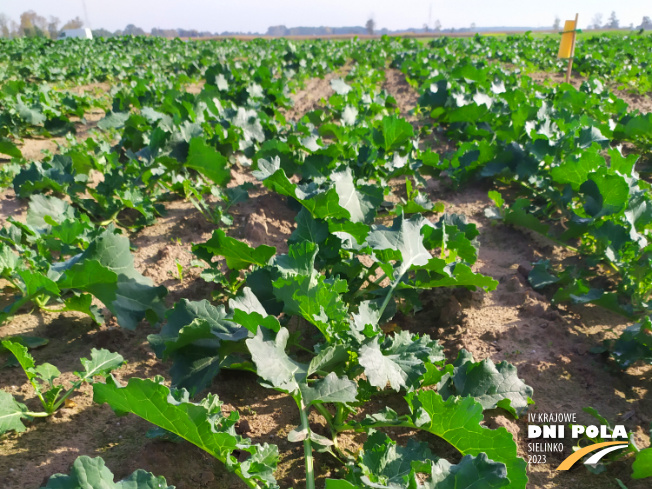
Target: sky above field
[[258, 15]]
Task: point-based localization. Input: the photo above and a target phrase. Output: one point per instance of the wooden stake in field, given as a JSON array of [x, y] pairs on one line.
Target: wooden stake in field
[[567, 44]]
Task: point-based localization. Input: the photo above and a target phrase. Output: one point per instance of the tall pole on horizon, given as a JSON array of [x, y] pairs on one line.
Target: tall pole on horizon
[[86, 20]]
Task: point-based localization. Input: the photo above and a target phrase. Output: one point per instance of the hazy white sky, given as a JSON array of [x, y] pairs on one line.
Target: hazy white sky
[[258, 15]]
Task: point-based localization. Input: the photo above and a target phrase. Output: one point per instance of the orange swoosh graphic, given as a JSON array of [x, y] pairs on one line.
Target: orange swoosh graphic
[[571, 459]]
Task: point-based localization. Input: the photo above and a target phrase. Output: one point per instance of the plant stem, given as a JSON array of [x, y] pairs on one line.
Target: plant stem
[[358, 428], [339, 414], [250, 483], [41, 300], [110, 219], [47, 309], [390, 292], [40, 396], [327, 416], [301, 347], [37, 415], [66, 395], [307, 447], [13, 284]]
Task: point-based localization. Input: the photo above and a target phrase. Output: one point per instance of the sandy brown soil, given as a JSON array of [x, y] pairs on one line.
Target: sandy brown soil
[[85, 127], [10, 206], [99, 88], [549, 345], [546, 78], [642, 102], [315, 89], [406, 97], [33, 149], [195, 88]]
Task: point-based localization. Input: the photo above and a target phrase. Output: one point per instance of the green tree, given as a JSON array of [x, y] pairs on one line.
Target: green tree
[[646, 23], [613, 22], [596, 22], [101, 32], [370, 26], [132, 30], [5, 30], [556, 24], [75, 23], [53, 27], [33, 25]]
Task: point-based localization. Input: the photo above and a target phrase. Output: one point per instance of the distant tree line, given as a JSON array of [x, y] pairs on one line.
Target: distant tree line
[[133, 30], [613, 23], [34, 25], [281, 30]]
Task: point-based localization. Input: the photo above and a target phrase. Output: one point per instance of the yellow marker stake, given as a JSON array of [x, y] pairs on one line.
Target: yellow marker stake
[[566, 40], [567, 45]]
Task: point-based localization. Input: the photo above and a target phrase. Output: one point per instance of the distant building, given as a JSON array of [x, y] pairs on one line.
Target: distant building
[[78, 33]]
